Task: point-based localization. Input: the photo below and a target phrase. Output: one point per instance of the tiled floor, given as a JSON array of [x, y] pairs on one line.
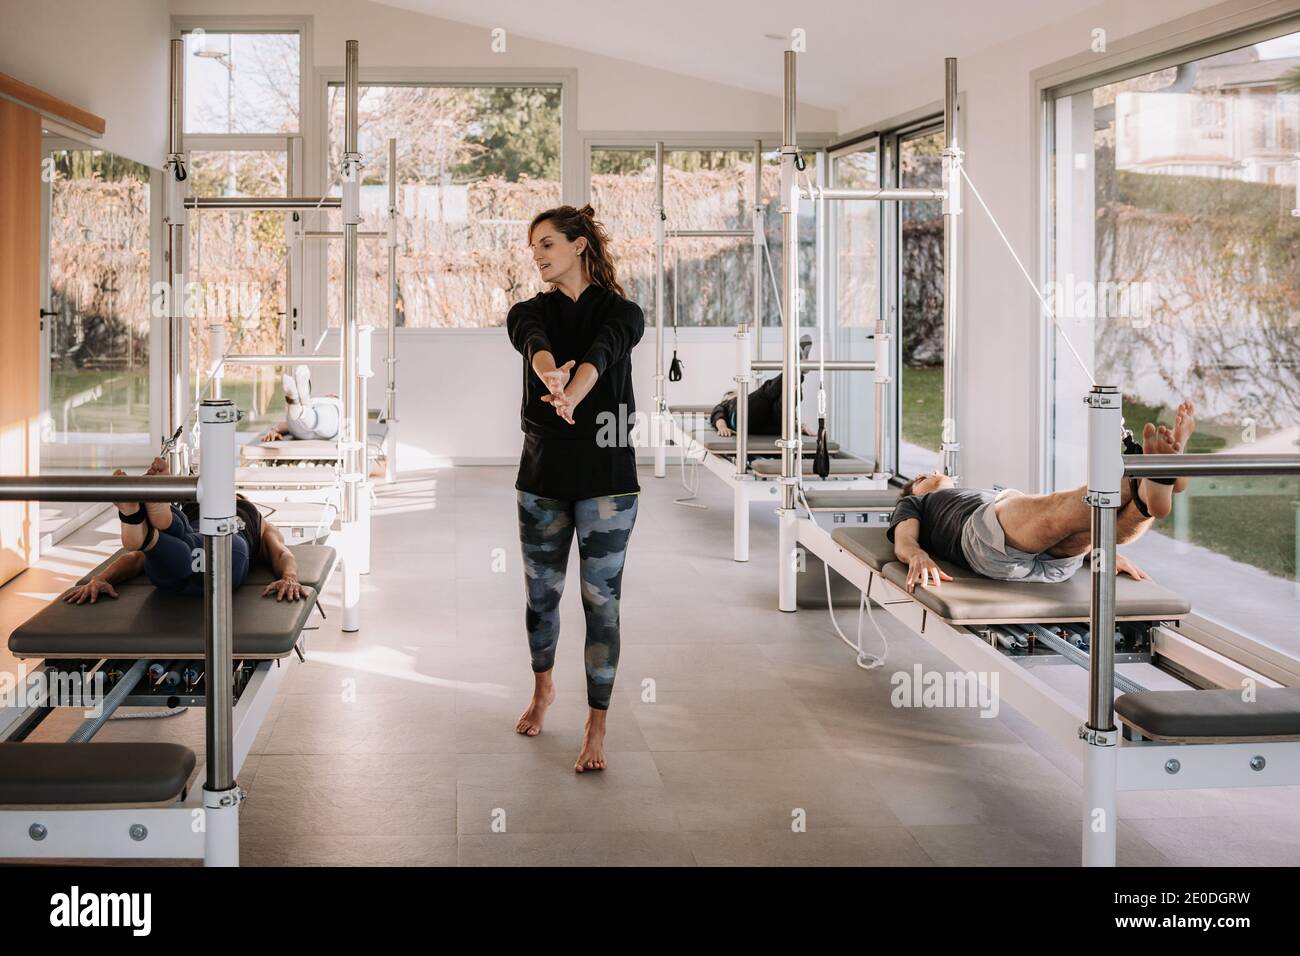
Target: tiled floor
[[732, 723]]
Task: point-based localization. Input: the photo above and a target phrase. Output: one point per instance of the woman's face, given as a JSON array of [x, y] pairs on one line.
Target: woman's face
[[557, 258]]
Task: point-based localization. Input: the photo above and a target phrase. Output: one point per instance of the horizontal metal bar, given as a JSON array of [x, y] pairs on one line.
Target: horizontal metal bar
[[333, 234], [255, 203], [1209, 466], [876, 195], [1075, 655], [99, 488], [710, 233], [281, 360], [836, 365]]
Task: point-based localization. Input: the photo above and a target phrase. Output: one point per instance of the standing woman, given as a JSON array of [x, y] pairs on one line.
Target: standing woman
[[578, 467]]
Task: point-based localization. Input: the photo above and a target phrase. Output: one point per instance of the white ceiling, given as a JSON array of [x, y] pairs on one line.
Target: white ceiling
[[853, 46]]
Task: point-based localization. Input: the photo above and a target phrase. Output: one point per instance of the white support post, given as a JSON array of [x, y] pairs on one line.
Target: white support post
[[176, 179], [952, 161], [1105, 479], [390, 406], [355, 414], [218, 525], [660, 401], [791, 442], [884, 350]]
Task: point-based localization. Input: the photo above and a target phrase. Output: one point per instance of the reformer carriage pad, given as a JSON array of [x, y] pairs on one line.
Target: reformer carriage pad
[[143, 622], [972, 599]]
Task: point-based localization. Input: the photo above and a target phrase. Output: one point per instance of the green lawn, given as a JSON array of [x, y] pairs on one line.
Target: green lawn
[[922, 410]]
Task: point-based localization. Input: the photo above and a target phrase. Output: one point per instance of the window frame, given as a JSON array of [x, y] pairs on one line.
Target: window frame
[[317, 174]]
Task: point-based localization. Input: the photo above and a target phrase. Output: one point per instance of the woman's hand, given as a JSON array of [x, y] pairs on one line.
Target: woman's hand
[[287, 588], [90, 591], [723, 428], [557, 379], [564, 403], [272, 435]]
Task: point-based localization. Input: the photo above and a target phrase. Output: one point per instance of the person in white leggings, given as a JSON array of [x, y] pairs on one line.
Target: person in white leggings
[[306, 417]]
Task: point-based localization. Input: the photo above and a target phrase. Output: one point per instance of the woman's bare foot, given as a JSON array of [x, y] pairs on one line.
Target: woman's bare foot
[[530, 722], [593, 743]]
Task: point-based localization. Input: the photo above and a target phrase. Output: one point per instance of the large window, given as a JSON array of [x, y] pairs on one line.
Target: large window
[[920, 304], [242, 117], [474, 165], [855, 227], [708, 281], [1176, 276]]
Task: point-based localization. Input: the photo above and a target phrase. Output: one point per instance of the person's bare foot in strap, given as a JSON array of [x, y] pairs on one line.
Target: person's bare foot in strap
[[530, 721], [134, 529], [592, 756], [1184, 428], [1162, 440]]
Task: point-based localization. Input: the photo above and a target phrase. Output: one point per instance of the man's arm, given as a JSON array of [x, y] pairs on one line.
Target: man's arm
[[286, 586], [123, 568], [921, 568]]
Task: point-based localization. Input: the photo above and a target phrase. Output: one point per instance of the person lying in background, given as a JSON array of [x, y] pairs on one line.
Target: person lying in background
[[306, 418], [765, 404], [160, 541]]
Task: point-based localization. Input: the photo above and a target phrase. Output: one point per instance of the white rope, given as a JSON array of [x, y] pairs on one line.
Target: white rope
[[1025, 272], [868, 662]]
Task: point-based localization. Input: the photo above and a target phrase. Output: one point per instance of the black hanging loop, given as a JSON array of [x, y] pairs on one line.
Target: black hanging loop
[[822, 457], [675, 368]]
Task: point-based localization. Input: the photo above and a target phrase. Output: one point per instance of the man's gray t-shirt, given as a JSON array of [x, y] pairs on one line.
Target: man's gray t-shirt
[[942, 514]]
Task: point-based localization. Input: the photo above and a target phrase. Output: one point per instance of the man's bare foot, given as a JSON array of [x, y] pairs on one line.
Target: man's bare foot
[[1161, 440], [1184, 428], [530, 721], [160, 512], [593, 743]]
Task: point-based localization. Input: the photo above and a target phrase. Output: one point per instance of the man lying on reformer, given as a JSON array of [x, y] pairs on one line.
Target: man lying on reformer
[[1012, 536], [160, 540], [306, 418], [765, 404]]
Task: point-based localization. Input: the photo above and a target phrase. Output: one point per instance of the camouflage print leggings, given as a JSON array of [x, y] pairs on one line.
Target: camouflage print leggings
[[546, 528]]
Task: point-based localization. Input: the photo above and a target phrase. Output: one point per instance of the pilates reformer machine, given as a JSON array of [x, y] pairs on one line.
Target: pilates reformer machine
[[747, 462], [1231, 730], [308, 492], [83, 799]]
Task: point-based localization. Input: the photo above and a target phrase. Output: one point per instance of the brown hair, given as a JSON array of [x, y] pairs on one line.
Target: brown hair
[[572, 223], [909, 485]]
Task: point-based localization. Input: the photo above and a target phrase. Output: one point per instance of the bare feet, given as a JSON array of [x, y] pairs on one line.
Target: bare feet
[[132, 534], [530, 721], [1161, 440], [593, 743]]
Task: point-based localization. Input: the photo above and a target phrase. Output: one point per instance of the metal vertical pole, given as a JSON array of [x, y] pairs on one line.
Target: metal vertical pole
[[882, 355], [390, 406], [952, 160], [790, 352], [1105, 479], [759, 222], [176, 176], [660, 403], [354, 415], [217, 524]]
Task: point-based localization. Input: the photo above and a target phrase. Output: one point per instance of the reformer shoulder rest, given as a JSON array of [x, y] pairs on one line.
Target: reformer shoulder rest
[[93, 773], [1212, 716]]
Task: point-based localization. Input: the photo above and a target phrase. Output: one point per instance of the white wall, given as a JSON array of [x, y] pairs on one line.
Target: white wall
[[105, 56], [1000, 368]]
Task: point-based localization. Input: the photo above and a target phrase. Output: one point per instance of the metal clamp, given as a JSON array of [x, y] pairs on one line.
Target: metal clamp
[[1098, 738], [1102, 499]]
